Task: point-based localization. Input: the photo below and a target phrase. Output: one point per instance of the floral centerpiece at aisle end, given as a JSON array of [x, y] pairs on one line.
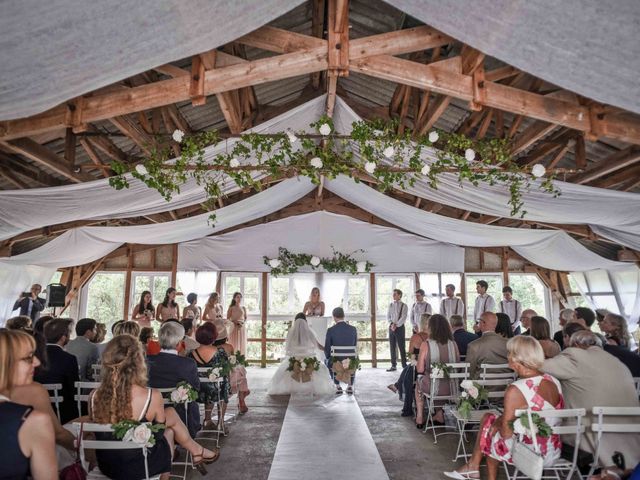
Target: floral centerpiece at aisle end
[[137, 432], [471, 397], [345, 368], [302, 368]]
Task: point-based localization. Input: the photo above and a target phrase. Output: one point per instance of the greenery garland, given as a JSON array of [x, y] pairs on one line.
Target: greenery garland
[[373, 149], [288, 262]]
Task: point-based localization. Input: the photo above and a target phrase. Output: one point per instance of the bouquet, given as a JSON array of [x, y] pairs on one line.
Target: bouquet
[[184, 393], [471, 397], [440, 370], [238, 360], [541, 428], [302, 368], [137, 432], [345, 368]]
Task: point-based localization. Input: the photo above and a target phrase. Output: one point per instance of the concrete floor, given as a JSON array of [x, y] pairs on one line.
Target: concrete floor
[[406, 452]]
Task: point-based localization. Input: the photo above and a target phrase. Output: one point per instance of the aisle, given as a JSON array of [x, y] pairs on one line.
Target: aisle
[[326, 438]]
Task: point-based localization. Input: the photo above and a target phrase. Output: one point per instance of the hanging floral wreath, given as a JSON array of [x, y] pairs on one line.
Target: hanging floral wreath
[[287, 262]]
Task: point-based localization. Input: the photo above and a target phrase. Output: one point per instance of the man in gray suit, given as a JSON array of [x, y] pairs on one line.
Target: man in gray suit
[[340, 335], [82, 347], [489, 348]]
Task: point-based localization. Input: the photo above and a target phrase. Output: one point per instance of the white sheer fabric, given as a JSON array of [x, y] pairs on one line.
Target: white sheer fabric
[[16, 279]]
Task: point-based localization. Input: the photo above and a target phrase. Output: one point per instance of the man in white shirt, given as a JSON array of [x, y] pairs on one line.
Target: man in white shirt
[[419, 307], [397, 316], [511, 307], [484, 302], [451, 305]]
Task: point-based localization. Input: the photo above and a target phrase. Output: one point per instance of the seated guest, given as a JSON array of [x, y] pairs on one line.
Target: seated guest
[[591, 377], [167, 369], [440, 347], [62, 367], [27, 438], [189, 339], [238, 376], [626, 356], [114, 325], [21, 322], [616, 331], [24, 323], [525, 320], [504, 327], [124, 395], [83, 348], [490, 348], [533, 390], [101, 333], [126, 327], [540, 330], [147, 337], [585, 317], [405, 384], [460, 334], [207, 355], [566, 315]]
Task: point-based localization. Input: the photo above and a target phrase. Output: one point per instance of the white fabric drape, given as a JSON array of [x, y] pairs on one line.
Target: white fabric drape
[[16, 279], [389, 249]]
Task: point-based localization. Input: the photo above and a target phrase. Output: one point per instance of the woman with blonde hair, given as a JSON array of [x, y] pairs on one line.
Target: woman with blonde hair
[[27, 436], [615, 329], [314, 307], [212, 309], [128, 327]]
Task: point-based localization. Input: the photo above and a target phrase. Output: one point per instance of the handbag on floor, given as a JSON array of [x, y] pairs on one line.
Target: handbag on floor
[[526, 459], [75, 471]]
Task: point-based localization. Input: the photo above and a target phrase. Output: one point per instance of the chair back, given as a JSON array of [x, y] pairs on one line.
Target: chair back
[[458, 372], [83, 389], [489, 371], [344, 352], [496, 387], [636, 380], [55, 397], [96, 372], [601, 424]]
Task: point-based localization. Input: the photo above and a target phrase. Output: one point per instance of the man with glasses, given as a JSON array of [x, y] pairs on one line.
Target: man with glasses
[[30, 304]]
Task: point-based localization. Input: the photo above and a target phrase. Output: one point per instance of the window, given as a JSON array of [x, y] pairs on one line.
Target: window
[[434, 285], [202, 284], [287, 295], [246, 283], [103, 297], [531, 292], [385, 285], [597, 291], [156, 283], [495, 290]]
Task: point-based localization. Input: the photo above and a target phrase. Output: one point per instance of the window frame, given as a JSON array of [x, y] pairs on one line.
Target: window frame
[[243, 275]]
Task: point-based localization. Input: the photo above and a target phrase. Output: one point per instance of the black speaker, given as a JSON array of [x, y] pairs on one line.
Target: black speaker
[[56, 293]]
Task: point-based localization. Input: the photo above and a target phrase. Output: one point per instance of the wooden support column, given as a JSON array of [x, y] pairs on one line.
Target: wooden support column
[[263, 316], [317, 22], [127, 283], [174, 266], [219, 286], [505, 266], [372, 303], [338, 48], [463, 294]]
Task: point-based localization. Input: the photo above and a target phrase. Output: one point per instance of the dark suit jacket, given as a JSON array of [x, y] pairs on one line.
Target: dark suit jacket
[[340, 335], [464, 338], [626, 356], [559, 338], [166, 370], [23, 305], [62, 367]]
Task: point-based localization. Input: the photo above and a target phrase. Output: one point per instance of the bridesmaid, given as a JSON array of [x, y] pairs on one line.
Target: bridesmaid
[[168, 308], [192, 310], [236, 316], [212, 309], [314, 307], [143, 312]]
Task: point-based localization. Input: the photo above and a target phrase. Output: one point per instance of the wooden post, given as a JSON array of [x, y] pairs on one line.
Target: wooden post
[[372, 303], [417, 279], [174, 266], [505, 266], [127, 283], [263, 315], [219, 286], [463, 294]]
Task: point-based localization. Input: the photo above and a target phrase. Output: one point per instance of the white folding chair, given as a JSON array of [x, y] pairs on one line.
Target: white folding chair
[[636, 380], [95, 474], [55, 397], [203, 373], [601, 427], [342, 353], [83, 389], [496, 387], [489, 371], [96, 372]]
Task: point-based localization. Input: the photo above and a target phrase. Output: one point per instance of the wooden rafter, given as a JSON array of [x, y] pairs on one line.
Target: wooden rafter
[[619, 160]]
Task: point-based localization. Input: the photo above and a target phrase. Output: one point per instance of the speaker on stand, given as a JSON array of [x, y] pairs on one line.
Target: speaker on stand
[[56, 294]]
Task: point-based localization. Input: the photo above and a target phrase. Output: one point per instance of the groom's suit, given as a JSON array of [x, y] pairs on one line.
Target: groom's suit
[[340, 335]]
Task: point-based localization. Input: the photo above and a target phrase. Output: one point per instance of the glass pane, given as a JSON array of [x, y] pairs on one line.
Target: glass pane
[[160, 285], [56, 277], [364, 350], [429, 283], [251, 303], [607, 302], [599, 281], [384, 285], [254, 328], [251, 286], [277, 329], [231, 285], [406, 285], [382, 328], [141, 283], [382, 352], [302, 285], [254, 351], [577, 282], [358, 295], [529, 290], [105, 298], [279, 296], [333, 289], [495, 290]]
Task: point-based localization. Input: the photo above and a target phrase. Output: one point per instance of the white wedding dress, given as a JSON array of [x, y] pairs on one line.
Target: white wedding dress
[[301, 342]]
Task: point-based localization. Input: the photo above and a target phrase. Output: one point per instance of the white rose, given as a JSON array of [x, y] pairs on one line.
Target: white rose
[[345, 363], [464, 395], [518, 427], [292, 136], [370, 167], [234, 163], [469, 154], [141, 434], [303, 366], [466, 384], [177, 135], [325, 129], [232, 359], [473, 392], [378, 133], [141, 169], [433, 136], [176, 396], [315, 162], [389, 152], [538, 170], [315, 261], [436, 372], [425, 169], [361, 266], [274, 263]]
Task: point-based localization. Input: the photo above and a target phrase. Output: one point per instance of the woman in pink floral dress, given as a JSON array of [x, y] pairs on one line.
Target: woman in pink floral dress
[[533, 390]]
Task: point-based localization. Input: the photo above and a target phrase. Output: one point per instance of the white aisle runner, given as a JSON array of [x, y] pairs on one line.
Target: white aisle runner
[[323, 439]]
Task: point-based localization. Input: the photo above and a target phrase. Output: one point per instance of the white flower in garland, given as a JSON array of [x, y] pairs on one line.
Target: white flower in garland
[[177, 135], [234, 163], [437, 372], [361, 266], [425, 169], [370, 167], [315, 261], [325, 129], [315, 162], [141, 169], [292, 136], [473, 392], [274, 263], [378, 133], [538, 170], [470, 154], [389, 152], [433, 136]]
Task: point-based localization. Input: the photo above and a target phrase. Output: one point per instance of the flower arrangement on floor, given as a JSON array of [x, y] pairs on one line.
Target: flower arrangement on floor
[[287, 262], [541, 428], [345, 368], [440, 370], [184, 393], [472, 396], [238, 360], [302, 368], [373, 149], [137, 432]]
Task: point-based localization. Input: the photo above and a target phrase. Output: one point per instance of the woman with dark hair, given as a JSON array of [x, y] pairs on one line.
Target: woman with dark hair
[[192, 310], [236, 316], [541, 331], [212, 309], [504, 325], [151, 345], [168, 308], [143, 311], [439, 348]]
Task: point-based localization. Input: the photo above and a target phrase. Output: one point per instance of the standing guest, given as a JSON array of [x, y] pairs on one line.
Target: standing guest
[[451, 305], [484, 302], [27, 437], [440, 347], [192, 311], [585, 316], [541, 331], [460, 334], [525, 320], [83, 348], [504, 325], [511, 307], [30, 304], [490, 348], [397, 316], [616, 332], [147, 337], [62, 367], [127, 328], [236, 316], [143, 311], [212, 309], [21, 322], [566, 315], [168, 308], [189, 340], [238, 376], [314, 307], [101, 334], [167, 369], [420, 307], [341, 334]]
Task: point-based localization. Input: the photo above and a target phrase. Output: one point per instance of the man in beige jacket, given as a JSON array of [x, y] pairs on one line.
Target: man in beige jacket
[[489, 348]]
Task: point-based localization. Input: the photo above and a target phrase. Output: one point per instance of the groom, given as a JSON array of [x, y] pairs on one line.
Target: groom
[[340, 335]]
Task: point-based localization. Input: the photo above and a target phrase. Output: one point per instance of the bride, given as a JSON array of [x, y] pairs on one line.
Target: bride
[[301, 343]]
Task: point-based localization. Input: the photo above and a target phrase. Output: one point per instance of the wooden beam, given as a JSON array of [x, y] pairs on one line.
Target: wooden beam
[[531, 135], [132, 130], [317, 22], [559, 156], [264, 304], [28, 172], [70, 148], [398, 42], [619, 160], [617, 178], [580, 152], [93, 155], [109, 148], [196, 87], [372, 307], [332, 83], [12, 179], [338, 36]]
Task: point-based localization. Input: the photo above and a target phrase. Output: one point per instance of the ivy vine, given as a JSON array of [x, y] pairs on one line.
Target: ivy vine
[[288, 262]]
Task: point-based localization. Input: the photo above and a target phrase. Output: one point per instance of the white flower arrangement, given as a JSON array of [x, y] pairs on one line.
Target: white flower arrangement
[[274, 263], [315, 261], [433, 136], [214, 374], [345, 363], [370, 167], [140, 435], [234, 163], [389, 152], [177, 135], [538, 170], [473, 392], [378, 133], [141, 169], [437, 372], [466, 384], [180, 395], [471, 397], [425, 169], [291, 136], [470, 154], [325, 129], [303, 365], [316, 162]]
